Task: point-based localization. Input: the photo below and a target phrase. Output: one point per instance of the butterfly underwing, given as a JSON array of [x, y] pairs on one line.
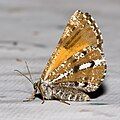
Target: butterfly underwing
[[77, 66]]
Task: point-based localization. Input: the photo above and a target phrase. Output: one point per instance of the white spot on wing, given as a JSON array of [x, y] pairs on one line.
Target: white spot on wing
[[98, 61], [84, 66]]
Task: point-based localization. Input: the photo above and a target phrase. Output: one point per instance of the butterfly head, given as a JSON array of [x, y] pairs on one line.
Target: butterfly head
[[43, 88], [37, 85]]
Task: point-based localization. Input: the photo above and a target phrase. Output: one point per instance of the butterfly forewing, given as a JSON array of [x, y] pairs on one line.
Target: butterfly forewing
[[78, 59]]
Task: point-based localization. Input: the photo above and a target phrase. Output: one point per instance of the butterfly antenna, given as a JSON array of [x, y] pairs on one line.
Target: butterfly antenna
[[24, 76], [28, 70]]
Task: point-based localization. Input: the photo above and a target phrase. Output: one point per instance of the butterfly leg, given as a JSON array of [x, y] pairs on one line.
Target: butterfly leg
[[70, 94]]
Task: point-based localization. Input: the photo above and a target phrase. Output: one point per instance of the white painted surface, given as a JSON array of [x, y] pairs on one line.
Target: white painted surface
[[30, 30]]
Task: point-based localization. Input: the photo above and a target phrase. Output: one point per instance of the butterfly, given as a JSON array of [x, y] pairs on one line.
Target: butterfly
[[77, 66]]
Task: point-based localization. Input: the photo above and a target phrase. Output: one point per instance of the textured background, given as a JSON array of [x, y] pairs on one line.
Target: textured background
[[30, 30]]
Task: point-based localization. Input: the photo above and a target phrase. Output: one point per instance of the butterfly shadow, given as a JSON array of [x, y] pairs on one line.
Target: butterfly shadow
[[38, 95], [100, 91]]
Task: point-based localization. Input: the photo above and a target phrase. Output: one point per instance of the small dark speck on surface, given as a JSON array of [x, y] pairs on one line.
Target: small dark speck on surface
[[15, 9], [15, 43], [1, 96], [40, 45], [18, 60]]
